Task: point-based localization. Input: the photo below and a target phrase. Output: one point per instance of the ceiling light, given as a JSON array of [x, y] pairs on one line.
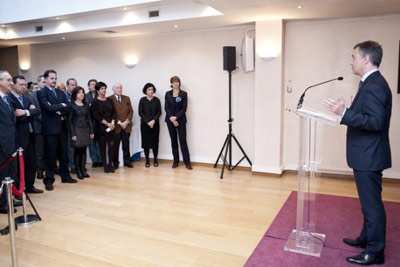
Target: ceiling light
[[63, 37], [125, 8], [176, 26], [2, 25], [57, 17], [299, 7]]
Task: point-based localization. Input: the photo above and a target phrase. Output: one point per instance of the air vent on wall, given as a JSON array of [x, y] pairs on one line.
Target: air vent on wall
[[39, 28], [109, 32], [154, 13]]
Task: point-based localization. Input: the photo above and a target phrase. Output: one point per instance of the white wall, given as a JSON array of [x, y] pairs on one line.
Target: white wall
[[196, 57], [321, 50]]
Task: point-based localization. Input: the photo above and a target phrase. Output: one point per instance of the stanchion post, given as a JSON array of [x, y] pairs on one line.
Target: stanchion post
[[11, 223]]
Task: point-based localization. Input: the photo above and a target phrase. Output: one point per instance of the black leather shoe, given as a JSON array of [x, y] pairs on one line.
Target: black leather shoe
[[129, 165], [188, 166], [354, 243], [69, 180], [34, 190], [4, 210], [175, 165], [155, 163], [95, 165], [147, 165], [116, 165], [49, 186], [367, 259]]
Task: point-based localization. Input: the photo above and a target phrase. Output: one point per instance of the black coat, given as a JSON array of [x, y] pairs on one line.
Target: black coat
[[176, 106], [24, 121], [7, 130], [368, 121], [52, 110]]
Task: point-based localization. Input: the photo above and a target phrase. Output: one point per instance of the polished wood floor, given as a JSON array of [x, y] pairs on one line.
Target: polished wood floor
[[158, 217]]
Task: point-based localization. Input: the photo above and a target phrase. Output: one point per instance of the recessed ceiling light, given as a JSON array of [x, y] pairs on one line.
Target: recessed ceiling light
[[176, 26], [63, 37], [2, 25], [299, 7], [57, 17], [125, 8]]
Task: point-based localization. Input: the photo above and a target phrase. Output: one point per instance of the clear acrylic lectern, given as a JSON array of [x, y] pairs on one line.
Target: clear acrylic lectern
[[304, 239]]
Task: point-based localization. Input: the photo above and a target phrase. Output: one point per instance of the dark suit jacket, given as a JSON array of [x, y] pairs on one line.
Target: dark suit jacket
[[24, 121], [368, 121], [50, 105], [123, 111], [174, 108], [38, 119], [7, 130], [89, 98]]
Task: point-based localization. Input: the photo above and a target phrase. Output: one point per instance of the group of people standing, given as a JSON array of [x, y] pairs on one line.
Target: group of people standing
[[54, 125]]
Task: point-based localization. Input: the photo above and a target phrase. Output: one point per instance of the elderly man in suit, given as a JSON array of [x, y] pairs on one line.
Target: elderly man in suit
[[368, 148], [8, 140], [55, 109], [25, 111], [124, 114]]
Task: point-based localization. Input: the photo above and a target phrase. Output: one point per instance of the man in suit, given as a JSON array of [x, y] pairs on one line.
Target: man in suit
[[8, 139], [123, 128], [55, 108], [38, 132], [94, 148], [25, 111], [368, 148], [71, 85]]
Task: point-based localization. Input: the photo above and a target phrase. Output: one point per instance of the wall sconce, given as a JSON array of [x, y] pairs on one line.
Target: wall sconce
[[130, 62], [24, 66], [268, 58]]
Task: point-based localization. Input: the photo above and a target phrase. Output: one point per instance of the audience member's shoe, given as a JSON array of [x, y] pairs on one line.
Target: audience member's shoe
[[95, 165], [155, 163], [49, 186], [147, 165], [34, 190], [56, 171], [367, 259], [128, 164], [354, 243], [4, 210], [79, 174], [17, 204], [100, 164], [85, 174], [111, 168], [74, 171], [69, 180], [188, 166], [175, 165], [39, 175]]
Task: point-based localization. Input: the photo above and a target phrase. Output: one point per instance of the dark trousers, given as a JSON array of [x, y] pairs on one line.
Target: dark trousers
[[39, 152], [30, 162], [105, 141], [124, 137], [55, 146], [147, 153], [71, 161], [174, 133], [369, 187]]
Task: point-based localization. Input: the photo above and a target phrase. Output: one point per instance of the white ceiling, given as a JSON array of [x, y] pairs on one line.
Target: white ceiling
[[130, 17]]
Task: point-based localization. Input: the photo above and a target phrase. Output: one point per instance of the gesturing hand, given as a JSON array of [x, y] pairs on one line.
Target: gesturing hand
[[337, 106]]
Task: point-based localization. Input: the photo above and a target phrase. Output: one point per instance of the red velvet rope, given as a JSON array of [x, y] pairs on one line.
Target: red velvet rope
[[5, 163], [21, 175]]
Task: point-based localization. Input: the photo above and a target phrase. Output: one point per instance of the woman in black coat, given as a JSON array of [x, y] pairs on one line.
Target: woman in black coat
[[150, 112], [80, 129], [103, 113], [175, 108]]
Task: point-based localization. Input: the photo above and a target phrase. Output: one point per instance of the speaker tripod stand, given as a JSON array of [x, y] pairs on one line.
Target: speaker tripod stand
[[226, 151]]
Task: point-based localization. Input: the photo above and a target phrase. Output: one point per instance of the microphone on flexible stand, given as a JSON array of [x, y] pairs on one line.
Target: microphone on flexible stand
[[300, 103]]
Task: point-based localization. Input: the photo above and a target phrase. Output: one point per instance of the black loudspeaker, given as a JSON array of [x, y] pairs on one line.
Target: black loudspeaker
[[229, 58]]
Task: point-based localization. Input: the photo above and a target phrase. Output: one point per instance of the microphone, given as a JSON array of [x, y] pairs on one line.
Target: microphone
[[300, 103]]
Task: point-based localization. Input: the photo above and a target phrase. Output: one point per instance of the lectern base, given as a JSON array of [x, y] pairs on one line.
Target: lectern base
[[305, 243]]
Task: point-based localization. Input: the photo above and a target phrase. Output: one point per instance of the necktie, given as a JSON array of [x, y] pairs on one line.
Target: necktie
[[119, 99], [54, 91], [361, 83], [21, 100], [5, 98]]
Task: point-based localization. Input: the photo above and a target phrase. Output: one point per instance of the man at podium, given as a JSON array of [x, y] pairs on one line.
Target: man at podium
[[368, 148]]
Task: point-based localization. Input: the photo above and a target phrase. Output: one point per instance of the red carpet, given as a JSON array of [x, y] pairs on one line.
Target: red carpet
[[337, 217]]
